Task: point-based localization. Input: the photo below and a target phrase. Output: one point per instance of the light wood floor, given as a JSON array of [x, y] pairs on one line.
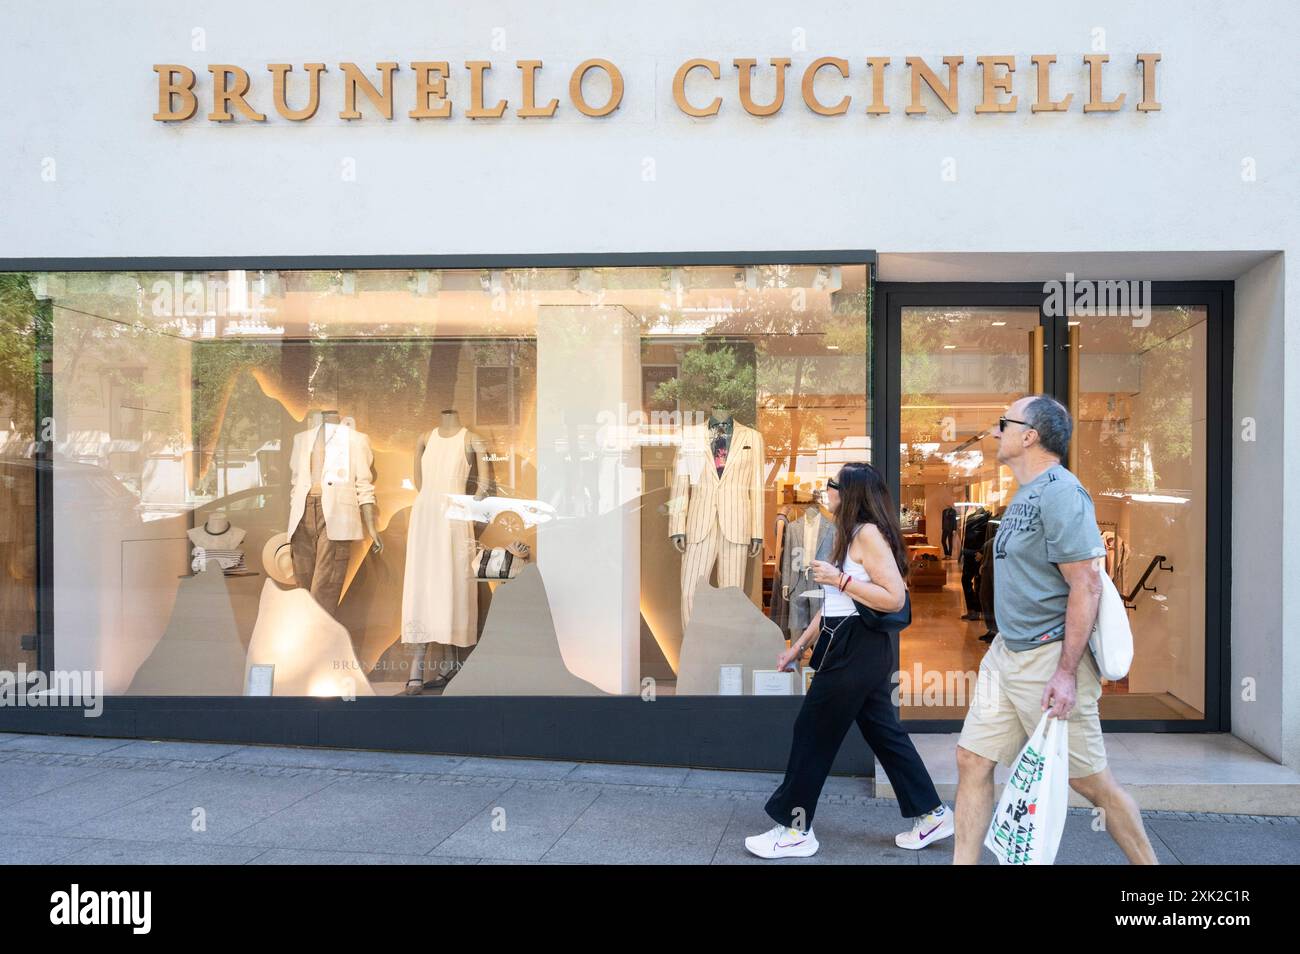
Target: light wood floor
[[939, 640]]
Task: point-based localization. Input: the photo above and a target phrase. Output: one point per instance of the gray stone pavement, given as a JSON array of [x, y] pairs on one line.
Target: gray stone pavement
[[73, 800]]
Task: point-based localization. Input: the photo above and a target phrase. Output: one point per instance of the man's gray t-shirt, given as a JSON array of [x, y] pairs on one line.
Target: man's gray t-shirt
[[1050, 520]]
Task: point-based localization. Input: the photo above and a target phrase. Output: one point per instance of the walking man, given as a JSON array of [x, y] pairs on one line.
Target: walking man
[[1047, 585]]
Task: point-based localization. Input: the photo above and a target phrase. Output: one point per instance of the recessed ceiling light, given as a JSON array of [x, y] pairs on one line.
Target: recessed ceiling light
[[949, 347], [999, 324]]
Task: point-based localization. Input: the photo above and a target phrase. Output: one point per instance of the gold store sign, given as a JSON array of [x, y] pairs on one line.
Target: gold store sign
[[232, 86]]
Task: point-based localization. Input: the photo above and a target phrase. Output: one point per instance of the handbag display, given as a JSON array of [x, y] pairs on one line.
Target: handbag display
[[496, 563], [1111, 641]]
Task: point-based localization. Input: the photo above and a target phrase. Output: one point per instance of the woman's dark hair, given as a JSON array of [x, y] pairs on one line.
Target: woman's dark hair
[[864, 498]]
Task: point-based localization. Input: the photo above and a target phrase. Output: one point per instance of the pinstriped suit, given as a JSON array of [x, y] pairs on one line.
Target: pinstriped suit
[[718, 516]]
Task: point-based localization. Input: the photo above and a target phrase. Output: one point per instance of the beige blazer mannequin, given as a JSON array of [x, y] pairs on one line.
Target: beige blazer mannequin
[[346, 480], [700, 498]]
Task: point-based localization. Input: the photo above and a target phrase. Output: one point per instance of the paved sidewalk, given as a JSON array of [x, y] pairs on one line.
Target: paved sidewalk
[[91, 801]]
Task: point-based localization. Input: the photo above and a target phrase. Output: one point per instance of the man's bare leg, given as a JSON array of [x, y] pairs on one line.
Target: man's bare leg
[[1121, 816], [974, 805]]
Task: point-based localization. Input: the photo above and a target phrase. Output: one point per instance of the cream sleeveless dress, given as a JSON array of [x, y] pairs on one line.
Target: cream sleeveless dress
[[439, 599]]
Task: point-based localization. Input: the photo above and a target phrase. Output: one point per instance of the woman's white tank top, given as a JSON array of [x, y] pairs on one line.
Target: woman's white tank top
[[837, 604]]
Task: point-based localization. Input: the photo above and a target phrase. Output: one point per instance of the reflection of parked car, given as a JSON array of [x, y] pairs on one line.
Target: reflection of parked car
[[91, 492], [511, 514]]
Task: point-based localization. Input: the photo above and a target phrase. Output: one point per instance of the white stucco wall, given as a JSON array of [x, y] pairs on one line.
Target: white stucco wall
[[80, 92]]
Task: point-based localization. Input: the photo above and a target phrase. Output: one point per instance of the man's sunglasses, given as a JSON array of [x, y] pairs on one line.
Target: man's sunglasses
[[1004, 421]]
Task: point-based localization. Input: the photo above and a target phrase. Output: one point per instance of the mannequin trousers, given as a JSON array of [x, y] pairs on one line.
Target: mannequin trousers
[[854, 684], [970, 571], [320, 565], [699, 560]]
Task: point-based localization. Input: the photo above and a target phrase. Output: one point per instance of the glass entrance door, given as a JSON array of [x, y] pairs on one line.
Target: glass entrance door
[[1144, 398], [960, 368]]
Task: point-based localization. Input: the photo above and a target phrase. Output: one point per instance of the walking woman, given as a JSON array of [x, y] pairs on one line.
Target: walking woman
[[854, 662]]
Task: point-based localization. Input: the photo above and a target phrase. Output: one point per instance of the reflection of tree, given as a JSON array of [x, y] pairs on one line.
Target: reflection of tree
[[712, 376], [21, 319], [1143, 433], [930, 387], [839, 370]]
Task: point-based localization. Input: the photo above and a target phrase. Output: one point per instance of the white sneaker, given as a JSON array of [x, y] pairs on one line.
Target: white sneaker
[[927, 829], [783, 842]]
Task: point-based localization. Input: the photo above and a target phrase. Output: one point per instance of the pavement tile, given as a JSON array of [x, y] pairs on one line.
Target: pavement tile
[[520, 825], [178, 751], [620, 828], [1080, 845], [715, 780], [514, 768], [856, 785], [230, 802], [109, 852], [38, 849], [66, 744], [345, 759], [375, 815], [64, 808], [615, 774], [308, 856], [20, 780], [1233, 843]]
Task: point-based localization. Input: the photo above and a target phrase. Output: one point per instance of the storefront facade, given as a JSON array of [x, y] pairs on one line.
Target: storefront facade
[[397, 385]]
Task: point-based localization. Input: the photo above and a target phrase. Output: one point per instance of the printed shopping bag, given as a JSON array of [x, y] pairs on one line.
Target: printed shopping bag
[[1027, 825]]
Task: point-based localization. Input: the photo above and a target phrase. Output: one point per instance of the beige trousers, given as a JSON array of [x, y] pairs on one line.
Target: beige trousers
[[699, 560]]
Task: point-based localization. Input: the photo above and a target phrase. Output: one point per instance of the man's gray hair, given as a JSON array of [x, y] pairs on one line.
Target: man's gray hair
[[1052, 421]]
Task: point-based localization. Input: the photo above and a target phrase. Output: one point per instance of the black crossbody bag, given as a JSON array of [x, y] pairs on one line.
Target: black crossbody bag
[[894, 622]]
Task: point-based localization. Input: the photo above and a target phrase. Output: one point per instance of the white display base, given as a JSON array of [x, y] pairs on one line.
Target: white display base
[[311, 651], [518, 653], [725, 628]]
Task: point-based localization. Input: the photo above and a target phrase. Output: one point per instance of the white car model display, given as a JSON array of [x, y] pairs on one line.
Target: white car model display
[[512, 514]]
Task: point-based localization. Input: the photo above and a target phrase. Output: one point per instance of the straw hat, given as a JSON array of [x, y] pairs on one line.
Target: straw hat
[[278, 560]]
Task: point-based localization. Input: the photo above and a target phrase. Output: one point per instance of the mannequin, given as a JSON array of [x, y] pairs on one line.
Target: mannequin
[[439, 599], [217, 540], [716, 506], [332, 503], [972, 544], [806, 536], [216, 533]]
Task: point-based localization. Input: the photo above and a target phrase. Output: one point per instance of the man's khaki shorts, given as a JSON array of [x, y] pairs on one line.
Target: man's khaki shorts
[[1008, 706]]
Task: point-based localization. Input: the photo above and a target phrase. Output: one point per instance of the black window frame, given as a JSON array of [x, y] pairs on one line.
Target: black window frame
[[1217, 298]]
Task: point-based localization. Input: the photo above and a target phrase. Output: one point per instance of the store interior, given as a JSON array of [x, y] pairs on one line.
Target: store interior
[[1138, 399]]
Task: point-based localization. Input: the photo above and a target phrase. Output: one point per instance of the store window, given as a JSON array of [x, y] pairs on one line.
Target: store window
[[460, 482]]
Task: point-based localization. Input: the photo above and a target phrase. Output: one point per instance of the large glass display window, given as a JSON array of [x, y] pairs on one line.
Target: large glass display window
[[433, 482]]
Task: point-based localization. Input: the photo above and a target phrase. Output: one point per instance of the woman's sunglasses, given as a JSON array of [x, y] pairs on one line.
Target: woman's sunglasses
[[832, 483]]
